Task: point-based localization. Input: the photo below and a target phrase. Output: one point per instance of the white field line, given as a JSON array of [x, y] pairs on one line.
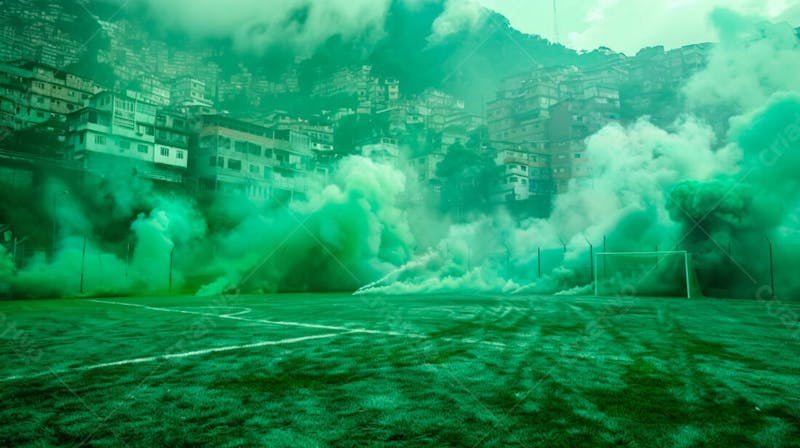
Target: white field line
[[224, 316], [171, 356], [304, 325], [239, 313], [243, 310]]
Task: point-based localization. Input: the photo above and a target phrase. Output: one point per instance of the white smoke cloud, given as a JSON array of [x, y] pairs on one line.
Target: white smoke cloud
[[458, 15], [753, 60], [300, 25], [255, 25]]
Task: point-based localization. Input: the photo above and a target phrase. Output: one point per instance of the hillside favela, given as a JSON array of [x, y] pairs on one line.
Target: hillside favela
[[294, 223]]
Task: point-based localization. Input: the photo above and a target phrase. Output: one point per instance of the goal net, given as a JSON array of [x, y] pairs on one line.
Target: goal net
[[660, 274]]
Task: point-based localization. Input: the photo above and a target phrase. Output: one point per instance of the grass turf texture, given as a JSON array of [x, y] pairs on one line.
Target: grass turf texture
[[439, 371]]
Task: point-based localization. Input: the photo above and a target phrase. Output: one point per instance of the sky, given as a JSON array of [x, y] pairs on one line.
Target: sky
[[629, 25]]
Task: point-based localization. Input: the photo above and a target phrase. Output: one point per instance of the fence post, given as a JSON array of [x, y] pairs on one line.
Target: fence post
[[591, 260], [771, 268], [171, 259], [83, 262], [127, 259], [539, 260]]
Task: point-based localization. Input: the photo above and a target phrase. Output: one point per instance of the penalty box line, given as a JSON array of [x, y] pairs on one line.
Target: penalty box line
[[171, 356], [341, 331], [470, 341], [222, 316]]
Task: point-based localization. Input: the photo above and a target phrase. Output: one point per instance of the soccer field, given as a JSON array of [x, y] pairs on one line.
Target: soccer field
[[449, 370]]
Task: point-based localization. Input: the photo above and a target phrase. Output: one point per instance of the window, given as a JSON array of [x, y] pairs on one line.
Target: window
[[179, 155], [224, 142], [577, 155], [124, 144], [240, 146], [524, 168], [254, 169], [208, 141], [212, 161], [100, 139], [82, 137], [164, 151], [142, 148], [254, 149], [234, 164]]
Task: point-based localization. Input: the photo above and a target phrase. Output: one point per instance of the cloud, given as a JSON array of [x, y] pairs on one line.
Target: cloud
[[300, 26], [256, 25], [629, 25]]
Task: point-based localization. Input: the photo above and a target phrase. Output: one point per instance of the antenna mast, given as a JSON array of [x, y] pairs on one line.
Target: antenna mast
[[557, 38]]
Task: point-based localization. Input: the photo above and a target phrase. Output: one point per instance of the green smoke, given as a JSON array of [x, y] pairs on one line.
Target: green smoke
[[683, 188], [750, 207]]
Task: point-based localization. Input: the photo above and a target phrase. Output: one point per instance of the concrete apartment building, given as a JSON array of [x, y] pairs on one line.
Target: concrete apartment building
[[554, 110], [656, 77], [116, 133], [588, 107], [149, 89], [32, 93], [524, 174], [239, 157], [520, 111], [36, 30], [189, 91]]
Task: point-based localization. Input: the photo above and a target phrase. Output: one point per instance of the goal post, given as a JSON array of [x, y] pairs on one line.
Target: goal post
[[658, 274]]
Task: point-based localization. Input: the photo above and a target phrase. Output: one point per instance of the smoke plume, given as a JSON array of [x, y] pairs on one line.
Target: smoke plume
[[684, 188]]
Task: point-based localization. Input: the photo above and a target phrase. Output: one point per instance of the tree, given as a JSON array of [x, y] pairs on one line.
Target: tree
[[468, 176]]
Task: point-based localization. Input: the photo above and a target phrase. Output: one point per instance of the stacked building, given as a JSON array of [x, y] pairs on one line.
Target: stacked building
[[35, 30], [32, 93], [524, 174], [119, 134], [260, 162]]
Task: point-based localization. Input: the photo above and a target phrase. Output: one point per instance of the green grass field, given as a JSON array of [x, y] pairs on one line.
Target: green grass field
[[450, 370]]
